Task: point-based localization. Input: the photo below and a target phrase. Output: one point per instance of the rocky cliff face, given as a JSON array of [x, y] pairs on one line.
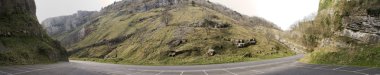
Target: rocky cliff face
[[22, 39], [69, 29], [169, 31], [17, 6], [363, 23], [64, 24], [345, 32]]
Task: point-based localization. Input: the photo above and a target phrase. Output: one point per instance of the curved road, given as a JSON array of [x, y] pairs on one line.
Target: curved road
[[280, 66]]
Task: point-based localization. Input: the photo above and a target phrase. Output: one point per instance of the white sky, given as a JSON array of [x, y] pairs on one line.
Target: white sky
[[53, 8], [283, 13]]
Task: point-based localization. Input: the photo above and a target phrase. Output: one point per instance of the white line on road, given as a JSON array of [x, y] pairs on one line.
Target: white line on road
[[159, 73], [229, 72], [181, 73], [334, 70], [204, 71], [258, 72], [338, 68], [320, 67], [363, 69]]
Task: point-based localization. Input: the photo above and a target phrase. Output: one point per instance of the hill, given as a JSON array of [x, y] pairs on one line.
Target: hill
[[345, 32], [22, 39], [171, 32]]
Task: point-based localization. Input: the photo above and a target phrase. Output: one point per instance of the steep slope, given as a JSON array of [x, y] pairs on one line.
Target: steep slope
[[67, 29], [174, 32], [345, 32], [22, 39]]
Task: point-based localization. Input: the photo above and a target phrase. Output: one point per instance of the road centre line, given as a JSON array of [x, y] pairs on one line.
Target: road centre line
[[204, 71], [159, 73], [258, 72], [321, 67], [338, 68], [333, 70], [363, 69], [229, 72], [213, 69]]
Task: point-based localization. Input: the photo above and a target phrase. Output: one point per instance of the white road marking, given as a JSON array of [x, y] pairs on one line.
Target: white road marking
[[132, 69], [334, 70], [338, 68], [363, 69], [159, 73], [258, 72], [321, 67], [204, 71], [229, 72]]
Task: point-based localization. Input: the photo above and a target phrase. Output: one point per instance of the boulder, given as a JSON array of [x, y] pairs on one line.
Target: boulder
[[172, 53], [211, 52], [241, 45], [176, 42], [251, 42]]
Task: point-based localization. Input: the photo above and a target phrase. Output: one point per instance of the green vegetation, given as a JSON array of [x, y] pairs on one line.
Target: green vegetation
[[322, 36], [30, 50], [146, 38], [199, 60], [363, 55], [22, 39]]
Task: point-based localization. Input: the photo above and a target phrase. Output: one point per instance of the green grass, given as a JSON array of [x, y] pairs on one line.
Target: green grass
[[326, 25], [30, 50], [364, 55], [149, 43], [28, 43], [172, 61]]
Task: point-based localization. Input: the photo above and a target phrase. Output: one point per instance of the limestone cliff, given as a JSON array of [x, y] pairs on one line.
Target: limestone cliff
[[22, 39], [345, 32], [68, 29]]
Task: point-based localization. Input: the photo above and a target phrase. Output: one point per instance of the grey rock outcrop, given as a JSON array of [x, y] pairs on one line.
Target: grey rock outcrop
[[135, 6], [63, 24], [72, 26], [17, 6], [363, 26]]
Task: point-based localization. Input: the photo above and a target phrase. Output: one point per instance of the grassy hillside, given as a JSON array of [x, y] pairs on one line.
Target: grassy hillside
[[22, 39], [147, 38]]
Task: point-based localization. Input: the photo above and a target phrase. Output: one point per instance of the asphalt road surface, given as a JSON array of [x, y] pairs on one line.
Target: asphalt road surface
[[280, 66]]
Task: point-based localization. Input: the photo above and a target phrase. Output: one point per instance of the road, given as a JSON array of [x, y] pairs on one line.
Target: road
[[280, 66]]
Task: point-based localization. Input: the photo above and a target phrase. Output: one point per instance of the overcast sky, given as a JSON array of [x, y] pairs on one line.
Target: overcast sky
[[283, 13]]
